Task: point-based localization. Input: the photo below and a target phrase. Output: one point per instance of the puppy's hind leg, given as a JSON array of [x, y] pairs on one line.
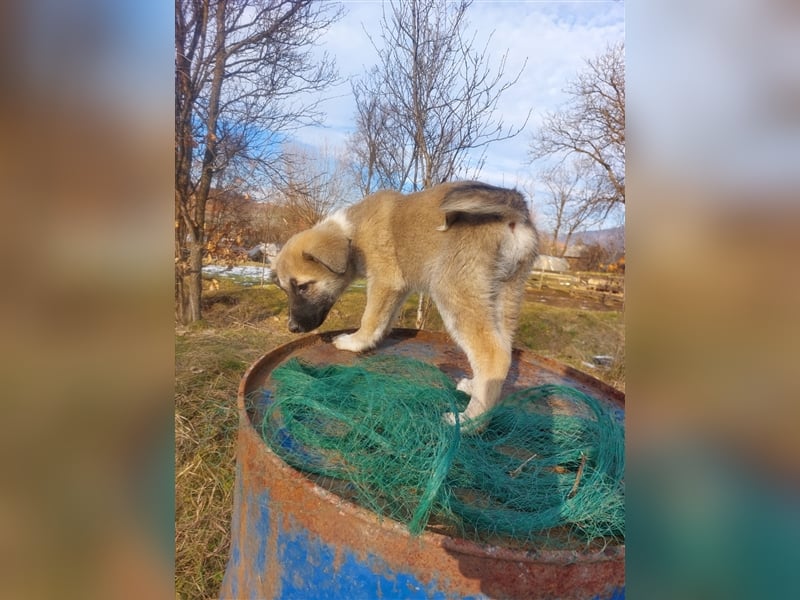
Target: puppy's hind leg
[[383, 302], [495, 360], [489, 355], [490, 363], [509, 305]]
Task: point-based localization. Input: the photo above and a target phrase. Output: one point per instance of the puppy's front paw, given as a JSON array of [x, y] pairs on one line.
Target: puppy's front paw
[[350, 342]]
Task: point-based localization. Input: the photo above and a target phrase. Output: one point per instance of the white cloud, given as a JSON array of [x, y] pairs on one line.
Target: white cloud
[[555, 37]]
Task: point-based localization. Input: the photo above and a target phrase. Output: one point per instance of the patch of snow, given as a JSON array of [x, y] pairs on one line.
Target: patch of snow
[[246, 274]]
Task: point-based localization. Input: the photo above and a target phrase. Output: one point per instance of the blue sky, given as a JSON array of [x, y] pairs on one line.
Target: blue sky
[[555, 37]]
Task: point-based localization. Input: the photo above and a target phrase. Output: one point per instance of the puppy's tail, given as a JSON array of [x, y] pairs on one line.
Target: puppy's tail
[[474, 198]]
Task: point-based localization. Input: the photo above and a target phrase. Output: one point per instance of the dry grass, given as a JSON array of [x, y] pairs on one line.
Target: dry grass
[[242, 324], [209, 363], [574, 337]]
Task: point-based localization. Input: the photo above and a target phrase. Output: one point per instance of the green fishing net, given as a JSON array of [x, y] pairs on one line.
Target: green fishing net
[[546, 466]]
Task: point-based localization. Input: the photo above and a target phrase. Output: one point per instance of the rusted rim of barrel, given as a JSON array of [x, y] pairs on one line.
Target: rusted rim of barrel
[[273, 358]]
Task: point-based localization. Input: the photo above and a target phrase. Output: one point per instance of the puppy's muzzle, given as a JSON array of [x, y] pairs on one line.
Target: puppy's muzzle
[[306, 316]]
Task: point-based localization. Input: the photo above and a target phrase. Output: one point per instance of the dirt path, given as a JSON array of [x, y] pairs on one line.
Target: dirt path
[[574, 298]]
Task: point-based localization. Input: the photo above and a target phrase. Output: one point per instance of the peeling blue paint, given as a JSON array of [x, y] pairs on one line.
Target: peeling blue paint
[[309, 567], [262, 530], [351, 578], [617, 594], [229, 582]]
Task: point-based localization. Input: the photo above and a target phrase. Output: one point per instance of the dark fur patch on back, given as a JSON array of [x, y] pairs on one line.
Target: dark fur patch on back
[[475, 198]]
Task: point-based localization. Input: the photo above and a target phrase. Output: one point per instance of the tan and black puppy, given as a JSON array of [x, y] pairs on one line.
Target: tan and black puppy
[[469, 245]]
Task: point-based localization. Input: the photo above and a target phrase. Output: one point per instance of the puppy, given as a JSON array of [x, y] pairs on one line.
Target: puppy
[[469, 245]]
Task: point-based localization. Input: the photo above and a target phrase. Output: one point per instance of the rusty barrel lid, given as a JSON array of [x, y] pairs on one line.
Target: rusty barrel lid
[[294, 538]]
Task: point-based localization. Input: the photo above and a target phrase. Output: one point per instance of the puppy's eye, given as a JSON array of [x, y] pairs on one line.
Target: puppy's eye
[[302, 288]]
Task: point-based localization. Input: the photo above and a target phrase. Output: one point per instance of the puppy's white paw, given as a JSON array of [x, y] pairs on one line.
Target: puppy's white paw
[[465, 385], [450, 418], [467, 425], [350, 342]]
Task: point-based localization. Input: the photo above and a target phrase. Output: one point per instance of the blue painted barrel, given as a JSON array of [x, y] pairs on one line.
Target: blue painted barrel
[[294, 539]]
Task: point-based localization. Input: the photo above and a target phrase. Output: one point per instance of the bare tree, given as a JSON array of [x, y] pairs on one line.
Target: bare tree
[[315, 182], [240, 67], [376, 161], [429, 102], [592, 124], [575, 200]]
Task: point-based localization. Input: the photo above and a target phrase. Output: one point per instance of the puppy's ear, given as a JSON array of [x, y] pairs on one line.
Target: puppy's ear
[[331, 249]]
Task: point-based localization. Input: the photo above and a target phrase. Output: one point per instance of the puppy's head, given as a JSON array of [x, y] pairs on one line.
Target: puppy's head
[[313, 268]]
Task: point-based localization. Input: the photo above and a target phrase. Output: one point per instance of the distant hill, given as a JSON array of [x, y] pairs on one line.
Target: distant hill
[[613, 237]]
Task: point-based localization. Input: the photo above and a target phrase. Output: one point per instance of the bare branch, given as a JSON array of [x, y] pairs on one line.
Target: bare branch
[[429, 102], [592, 123]]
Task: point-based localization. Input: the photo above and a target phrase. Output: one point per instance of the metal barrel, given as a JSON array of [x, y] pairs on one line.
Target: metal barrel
[[293, 539]]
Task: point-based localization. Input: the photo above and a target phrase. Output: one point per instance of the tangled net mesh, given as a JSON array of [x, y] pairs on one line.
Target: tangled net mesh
[[546, 467]]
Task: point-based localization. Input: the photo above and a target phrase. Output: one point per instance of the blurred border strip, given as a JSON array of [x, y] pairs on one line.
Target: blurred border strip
[[713, 290], [87, 319]]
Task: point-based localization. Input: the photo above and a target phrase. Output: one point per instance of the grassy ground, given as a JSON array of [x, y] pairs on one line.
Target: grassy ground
[[243, 323]]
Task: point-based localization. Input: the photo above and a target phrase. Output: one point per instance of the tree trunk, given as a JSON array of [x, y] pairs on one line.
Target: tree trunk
[[180, 288], [188, 275], [179, 295], [194, 281]]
